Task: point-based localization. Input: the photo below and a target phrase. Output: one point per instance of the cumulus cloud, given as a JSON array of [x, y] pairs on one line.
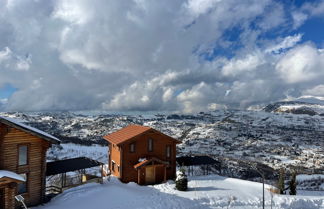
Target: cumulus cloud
[[301, 64], [314, 8], [151, 55], [244, 65], [307, 11], [315, 91], [299, 18], [14, 62], [286, 43]]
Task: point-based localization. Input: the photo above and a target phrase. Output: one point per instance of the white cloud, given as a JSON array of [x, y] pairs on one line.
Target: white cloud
[[10, 61], [73, 11], [306, 11], [286, 43], [299, 19], [248, 63], [167, 95], [5, 54], [198, 7], [301, 64], [315, 91], [147, 55], [314, 8]]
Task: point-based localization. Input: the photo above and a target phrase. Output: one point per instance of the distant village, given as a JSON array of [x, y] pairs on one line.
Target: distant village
[[233, 141]]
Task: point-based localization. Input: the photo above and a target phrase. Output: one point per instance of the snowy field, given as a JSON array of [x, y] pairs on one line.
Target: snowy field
[[70, 150], [206, 192]]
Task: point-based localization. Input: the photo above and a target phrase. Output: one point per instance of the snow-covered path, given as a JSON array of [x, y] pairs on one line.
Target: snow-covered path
[[205, 192]]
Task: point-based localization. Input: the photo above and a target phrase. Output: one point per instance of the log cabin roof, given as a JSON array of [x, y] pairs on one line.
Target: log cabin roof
[[33, 131], [130, 132], [68, 165]]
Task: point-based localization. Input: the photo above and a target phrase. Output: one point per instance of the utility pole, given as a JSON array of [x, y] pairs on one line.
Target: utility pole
[[262, 175]]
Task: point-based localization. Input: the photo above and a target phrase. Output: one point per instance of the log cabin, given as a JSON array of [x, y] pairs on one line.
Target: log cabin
[[22, 163], [141, 154]]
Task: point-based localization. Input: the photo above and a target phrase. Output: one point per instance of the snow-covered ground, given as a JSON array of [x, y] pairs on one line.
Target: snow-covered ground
[[204, 192], [70, 150], [303, 177]]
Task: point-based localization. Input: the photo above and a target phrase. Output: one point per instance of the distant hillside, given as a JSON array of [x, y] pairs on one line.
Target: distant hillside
[[296, 107]]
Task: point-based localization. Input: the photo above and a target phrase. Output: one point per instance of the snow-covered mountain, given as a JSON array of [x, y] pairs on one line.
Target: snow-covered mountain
[[235, 137], [303, 105]]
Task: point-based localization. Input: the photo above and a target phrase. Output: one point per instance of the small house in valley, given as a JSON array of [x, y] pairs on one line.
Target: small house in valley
[[22, 162], [141, 154]]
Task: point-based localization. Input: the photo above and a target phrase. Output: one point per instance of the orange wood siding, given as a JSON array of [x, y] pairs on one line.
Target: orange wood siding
[[115, 155], [160, 142], [36, 166]]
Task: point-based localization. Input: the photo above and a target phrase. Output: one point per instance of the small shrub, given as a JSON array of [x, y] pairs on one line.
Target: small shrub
[[281, 181], [293, 184], [181, 182]]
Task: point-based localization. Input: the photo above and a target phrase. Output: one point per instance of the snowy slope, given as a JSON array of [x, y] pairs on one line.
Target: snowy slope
[[302, 105], [205, 192]]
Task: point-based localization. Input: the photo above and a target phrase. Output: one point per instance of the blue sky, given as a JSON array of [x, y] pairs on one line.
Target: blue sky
[[312, 31], [179, 55], [6, 91]]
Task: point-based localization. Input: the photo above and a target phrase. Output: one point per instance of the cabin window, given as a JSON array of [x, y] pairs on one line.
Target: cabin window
[[168, 151], [150, 145], [132, 147], [118, 168], [22, 187], [23, 154]]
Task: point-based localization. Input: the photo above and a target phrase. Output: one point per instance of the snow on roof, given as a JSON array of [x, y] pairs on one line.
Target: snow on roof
[[25, 127], [12, 175]]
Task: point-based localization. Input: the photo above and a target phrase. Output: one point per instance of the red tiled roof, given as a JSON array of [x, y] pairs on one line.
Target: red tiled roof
[[126, 133]]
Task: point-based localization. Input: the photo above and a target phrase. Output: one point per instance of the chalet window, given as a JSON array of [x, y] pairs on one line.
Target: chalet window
[[118, 169], [112, 165], [22, 155], [150, 145], [168, 151], [22, 187], [132, 147]]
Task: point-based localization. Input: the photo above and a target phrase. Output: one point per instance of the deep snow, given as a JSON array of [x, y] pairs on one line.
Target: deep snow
[[205, 192]]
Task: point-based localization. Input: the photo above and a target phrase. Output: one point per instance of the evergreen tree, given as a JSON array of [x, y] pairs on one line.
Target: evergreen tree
[[293, 184], [281, 181], [181, 180]]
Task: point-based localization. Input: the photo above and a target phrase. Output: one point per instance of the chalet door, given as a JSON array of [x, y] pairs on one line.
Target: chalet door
[[149, 175], [2, 198]]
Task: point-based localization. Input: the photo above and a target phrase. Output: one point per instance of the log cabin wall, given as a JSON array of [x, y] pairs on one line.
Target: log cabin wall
[[3, 131], [160, 142], [115, 157], [36, 161], [8, 191]]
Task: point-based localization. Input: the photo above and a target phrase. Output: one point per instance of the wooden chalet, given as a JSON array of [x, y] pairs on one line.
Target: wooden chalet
[[142, 154], [22, 162]]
